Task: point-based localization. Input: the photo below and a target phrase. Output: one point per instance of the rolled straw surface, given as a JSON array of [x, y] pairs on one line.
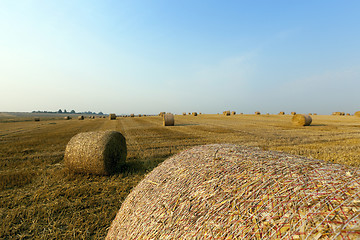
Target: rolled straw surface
[[301, 120], [98, 153], [168, 119], [112, 116], [235, 192], [357, 114]]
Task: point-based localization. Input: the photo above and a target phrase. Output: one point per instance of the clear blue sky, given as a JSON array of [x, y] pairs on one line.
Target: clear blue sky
[[175, 56]]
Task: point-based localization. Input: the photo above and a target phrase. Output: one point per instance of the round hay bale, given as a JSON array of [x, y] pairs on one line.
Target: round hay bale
[[168, 119], [348, 114], [227, 113], [132, 115], [194, 114], [257, 113], [98, 153], [112, 116], [301, 120], [67, 118], [315, 114], [281, 113], [36, 119], [184, 113], [293, 113], [81, 117], [357, 114], [235, 192], [161, 114]]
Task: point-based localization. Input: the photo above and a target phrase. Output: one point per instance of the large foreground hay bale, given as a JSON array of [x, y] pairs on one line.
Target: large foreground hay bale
[[357, 114], [112, 116], [96, 152], [233, 192], [301, 120], [168, 119]]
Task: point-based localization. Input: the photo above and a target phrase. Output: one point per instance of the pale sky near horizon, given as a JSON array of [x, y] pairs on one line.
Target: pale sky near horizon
[[180, 56]]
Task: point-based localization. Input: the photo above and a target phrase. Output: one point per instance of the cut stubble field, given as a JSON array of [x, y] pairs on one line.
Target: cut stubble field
[[40, 199]]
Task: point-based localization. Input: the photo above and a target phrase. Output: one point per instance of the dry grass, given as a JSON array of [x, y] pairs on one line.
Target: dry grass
[[40, 199]]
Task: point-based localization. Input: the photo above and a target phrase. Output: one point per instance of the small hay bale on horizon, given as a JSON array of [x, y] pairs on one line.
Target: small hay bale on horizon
[[99, 153], [225, 191], [293, 113], [233, 113], [81, 117], [67, 118], [227, 113], [184, 113], [301, 120], [112, 116], [257, 113], [194, 114], [281, 113], [36, 119], [168, 119], [132, 115]]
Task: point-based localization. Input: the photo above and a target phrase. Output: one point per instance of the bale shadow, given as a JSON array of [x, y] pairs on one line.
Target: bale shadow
[[186, 124]]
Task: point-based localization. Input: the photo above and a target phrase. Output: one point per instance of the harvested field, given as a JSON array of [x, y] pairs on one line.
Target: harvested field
[[40, 199]]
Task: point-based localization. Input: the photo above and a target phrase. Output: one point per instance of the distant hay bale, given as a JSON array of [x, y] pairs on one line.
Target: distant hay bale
[[293, 113], [233, 113], [67, 118], [257, 113], [98, 153], [168, 119], [132, 115], [184, 113], [139, 115], [236, 192], [194, 113], [348, 114], [301, 120], [227, 113], [112, 116], [36, 119], [281, 113], [357, 114], [315, 114], [81, 117]]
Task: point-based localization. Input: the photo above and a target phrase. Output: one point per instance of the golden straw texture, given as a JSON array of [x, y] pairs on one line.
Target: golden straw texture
[[301, 120], [357, 114], [234, 192], [112, 116], [98, 153], [168, 119]]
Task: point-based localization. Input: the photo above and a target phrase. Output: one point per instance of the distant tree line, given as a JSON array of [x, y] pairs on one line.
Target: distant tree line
[[71, 112]]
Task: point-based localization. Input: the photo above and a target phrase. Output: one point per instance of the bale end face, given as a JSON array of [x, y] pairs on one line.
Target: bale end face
[[301, 120], [100, 153]]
